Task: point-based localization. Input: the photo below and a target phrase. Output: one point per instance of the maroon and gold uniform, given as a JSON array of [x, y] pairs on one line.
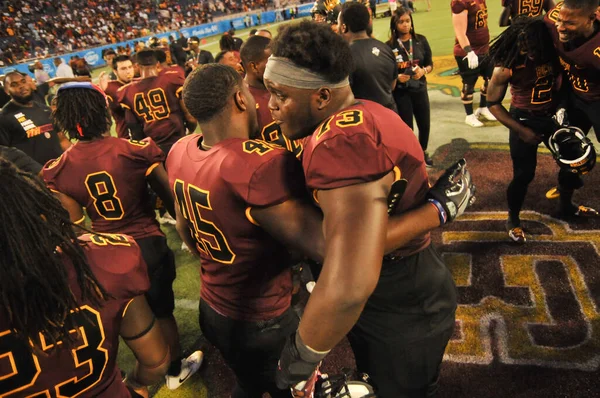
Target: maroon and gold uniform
[[116, 110], [363, 143], [269, 130], [530, 8], [88, 367], [245, 272], [107, 177], [581, 64], [155, 104], [533, 87], [477, 26]]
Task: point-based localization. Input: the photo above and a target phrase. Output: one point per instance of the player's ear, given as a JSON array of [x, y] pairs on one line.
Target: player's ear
[[240, 101], [323, 98]]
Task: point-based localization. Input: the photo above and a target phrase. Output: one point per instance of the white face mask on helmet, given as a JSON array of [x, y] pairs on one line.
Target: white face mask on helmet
[[572, 150]]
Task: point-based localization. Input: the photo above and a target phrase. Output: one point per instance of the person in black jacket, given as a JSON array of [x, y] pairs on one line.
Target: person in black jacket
[[414, 59]]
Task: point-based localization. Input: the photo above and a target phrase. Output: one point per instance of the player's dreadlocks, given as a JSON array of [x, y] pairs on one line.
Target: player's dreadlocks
[[316, 47], [82, 113], [36, 237], [525, 37]]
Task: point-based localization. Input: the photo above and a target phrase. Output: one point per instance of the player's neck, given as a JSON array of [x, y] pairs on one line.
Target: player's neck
[[254, 82], [222, 129], [343, 99], [27, 104], [351, 37]]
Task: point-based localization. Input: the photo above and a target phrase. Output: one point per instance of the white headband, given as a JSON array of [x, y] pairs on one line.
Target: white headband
[[284, 71]]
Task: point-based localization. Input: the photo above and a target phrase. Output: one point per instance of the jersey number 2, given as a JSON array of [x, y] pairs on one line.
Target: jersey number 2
[[209, 238], [26, 366]]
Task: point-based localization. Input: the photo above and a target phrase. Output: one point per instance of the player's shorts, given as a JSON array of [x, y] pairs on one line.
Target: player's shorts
[[469, 76], [161, 272], [401, 335]]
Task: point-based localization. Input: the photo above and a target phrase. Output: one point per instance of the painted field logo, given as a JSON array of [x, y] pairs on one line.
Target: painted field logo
[[535, 304]]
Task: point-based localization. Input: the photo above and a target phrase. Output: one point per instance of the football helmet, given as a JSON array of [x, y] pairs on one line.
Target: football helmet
[[326, 11], [572, 150]]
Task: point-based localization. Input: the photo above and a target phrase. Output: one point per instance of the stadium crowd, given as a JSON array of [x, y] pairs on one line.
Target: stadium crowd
[[40, 28], [306, 155]]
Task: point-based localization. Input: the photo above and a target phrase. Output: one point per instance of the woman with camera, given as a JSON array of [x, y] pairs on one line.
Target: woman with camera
[[414, 59]]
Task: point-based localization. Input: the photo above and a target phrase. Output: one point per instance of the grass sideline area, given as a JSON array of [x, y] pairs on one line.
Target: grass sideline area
[[436, 25]]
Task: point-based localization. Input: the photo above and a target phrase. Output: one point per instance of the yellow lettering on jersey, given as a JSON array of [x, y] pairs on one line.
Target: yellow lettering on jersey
[[324, 128], [597, 52], [256, 146], [349, 118], [138, 143], [110, 239]]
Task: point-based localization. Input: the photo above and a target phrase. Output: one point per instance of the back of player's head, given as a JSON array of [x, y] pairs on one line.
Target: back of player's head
[[160, 55], [81, 111], [252, 32], [253, 50], [119, 58], [207, 90], [146, 57], [226, 43], [355, 16], [316, 47], [36, 237], [587, 6]]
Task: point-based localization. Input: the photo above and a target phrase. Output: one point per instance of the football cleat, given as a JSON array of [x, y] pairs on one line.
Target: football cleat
[[553, 193], [472, 121], [485, 112], [580, 211], [517, 235], [189, 366]]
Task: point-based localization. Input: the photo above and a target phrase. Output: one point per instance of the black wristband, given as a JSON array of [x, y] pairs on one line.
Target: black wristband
[[467, 49]]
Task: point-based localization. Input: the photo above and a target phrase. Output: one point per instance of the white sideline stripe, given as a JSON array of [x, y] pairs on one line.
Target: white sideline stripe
[[186, 304]]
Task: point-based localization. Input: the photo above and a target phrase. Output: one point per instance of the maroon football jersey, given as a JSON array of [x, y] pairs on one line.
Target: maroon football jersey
[[88, 368], [363, 143], [530, 8], [154, 101], [269, 130], [582, 64], [533, 87], [117, 111], [108, 177], [245, 272], [477, 26]]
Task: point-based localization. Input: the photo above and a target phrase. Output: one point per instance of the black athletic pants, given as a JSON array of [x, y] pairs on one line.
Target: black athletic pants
[[524, 159], [250, 349], [401, 335], [415, 103]]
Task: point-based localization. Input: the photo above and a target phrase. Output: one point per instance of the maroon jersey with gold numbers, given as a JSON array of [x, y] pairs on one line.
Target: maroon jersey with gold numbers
[[530, 8], [245, 272], [269, 130], [363, 143], [116, 110], [88, 367], [108, 177], [581, 64], [154, 101], [477, 26], [534, 87]]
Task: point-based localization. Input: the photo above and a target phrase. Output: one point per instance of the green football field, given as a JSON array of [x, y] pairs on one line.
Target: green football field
[[437, 27]]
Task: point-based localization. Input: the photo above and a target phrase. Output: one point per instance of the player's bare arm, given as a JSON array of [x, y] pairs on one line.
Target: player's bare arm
[[159, 181], [505, 16], [136, 130], [496, 91], [184, 231], [144, 337], [73, 207], [355, 222], [460, 23]]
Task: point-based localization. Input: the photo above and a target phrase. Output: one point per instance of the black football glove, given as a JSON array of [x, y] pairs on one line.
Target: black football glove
[[297, 362], [453, 192]]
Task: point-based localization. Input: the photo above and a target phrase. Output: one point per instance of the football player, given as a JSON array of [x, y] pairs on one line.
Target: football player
[[469, 19], [152, 104], [515, 8], [123, 70], [240, 203], [575, 33], [531, 67], [108, 177], [67, 299], [398, 316], [255, 52]]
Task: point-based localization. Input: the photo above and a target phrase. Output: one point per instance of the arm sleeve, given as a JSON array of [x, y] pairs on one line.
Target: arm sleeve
[[20, 159], [344, 160], [458, 6], [428, 58]]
